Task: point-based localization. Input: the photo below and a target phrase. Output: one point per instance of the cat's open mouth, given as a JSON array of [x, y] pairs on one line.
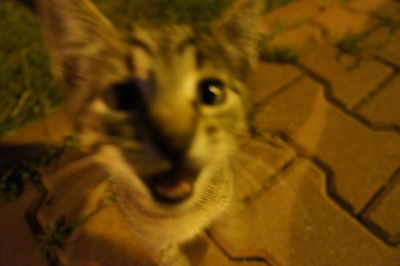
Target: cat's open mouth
[[174, 185]]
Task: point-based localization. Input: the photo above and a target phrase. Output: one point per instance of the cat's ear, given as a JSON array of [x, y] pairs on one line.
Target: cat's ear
[[75, 32], [238, 23]]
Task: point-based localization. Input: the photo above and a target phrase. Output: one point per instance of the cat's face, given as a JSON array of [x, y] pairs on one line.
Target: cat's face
[[164, 105]]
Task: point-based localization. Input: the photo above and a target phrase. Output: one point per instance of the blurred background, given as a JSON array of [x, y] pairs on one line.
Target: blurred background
[[320, 182]]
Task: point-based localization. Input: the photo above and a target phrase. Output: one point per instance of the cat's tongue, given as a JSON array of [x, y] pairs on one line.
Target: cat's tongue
[[174, 185]]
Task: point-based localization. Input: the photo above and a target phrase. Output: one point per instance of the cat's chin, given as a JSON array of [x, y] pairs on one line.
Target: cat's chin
[[169, 192]]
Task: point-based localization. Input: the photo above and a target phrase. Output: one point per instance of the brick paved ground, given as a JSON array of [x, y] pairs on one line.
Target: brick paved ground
[[318, 182]]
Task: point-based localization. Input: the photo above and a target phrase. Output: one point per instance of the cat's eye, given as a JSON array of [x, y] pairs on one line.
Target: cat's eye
[[212, 91], [121, 96]]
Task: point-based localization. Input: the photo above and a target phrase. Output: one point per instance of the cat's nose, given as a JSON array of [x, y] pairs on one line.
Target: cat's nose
[[172, 127], [173, 147]]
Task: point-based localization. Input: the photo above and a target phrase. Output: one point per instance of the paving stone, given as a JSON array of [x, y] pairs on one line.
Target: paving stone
[[377, 39], [350, 81], [385, 212], [258, 161], [384, 108], [366, 6], [104, 240], [288, 16], [391, 51], [203, 252], [325, 4], [362, 160], [17, 244], [79, 191], [388, 10], [269, 77], [295, 222], [297, 38], [382, 43], [51, 129], [339, 22]]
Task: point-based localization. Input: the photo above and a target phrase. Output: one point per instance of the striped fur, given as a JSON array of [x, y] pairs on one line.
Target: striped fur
[[155, 99]]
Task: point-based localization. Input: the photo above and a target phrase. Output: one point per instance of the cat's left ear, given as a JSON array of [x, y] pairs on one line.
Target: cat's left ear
[[238, 23], [75, 33]]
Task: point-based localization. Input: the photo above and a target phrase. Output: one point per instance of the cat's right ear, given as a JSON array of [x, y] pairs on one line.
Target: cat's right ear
[[238, 23], [238, 26], [75, 33]]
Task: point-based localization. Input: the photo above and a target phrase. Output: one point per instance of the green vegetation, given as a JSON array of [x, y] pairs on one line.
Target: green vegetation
[[279, 54], [14, 175], [387, 21], [351, 43], [56, 233], [276, 54], [272, 4], [123, 12], [27, 89], [332, 3]]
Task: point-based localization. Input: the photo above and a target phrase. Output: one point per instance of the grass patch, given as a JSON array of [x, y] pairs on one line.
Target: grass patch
[[123, 12], [333, 3], [13, 175], [27, 89], [56, 234], [351, 43], [272, 4], [276, 54], [283, 55], [387, 21]]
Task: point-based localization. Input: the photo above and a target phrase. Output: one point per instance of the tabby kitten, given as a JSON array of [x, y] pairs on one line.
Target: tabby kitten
[[162, 109]]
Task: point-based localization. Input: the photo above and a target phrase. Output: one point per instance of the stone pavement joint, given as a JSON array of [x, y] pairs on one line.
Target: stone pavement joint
[[369, 97], [260, 161], [204, 251], [302, 153], [299, 37], [247, 260], [382, 214], [321, 233], [302, 113], [328, 94], [346, 85], [339, 22], [261, 103], [383, 107], [269, 182], [366, 6], [279, 75], [331, 189]]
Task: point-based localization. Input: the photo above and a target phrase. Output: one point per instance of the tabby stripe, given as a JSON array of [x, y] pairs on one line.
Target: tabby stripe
[[141, 44], [185, 44]]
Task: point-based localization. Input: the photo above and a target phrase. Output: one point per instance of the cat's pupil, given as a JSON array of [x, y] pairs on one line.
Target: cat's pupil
[[211, 91]]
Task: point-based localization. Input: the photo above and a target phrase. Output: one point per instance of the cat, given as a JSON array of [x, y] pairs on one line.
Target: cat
[[161, 108]]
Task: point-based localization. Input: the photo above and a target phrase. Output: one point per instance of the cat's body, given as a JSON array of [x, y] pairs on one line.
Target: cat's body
[[161, 108]]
